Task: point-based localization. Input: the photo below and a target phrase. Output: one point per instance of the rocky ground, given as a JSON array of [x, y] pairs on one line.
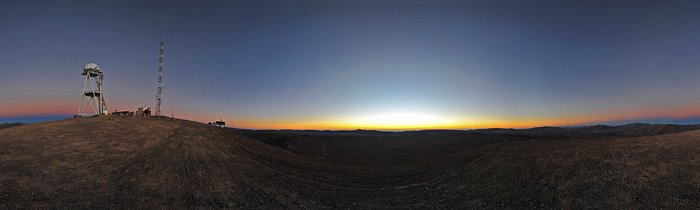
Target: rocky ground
[[147, 163]]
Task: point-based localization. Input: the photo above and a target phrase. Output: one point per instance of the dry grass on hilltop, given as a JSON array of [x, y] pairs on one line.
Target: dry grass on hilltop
[[162, 163]]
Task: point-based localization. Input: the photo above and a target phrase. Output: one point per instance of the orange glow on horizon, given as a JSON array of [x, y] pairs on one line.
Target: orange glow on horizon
[[421, 122], [480, 122]]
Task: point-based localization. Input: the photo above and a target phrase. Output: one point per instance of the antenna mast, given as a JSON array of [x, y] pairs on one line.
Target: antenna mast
[[160, 79]]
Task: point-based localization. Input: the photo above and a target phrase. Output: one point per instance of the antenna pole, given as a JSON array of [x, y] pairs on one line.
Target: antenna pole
[[160, 79]]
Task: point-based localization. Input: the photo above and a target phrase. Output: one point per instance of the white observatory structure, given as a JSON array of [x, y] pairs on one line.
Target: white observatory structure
[[92, 101]]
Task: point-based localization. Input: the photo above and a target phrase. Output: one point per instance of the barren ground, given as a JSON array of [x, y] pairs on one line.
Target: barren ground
[[132, 163]]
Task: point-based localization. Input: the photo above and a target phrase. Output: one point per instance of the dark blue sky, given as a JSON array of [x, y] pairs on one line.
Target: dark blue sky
[[333, 64]]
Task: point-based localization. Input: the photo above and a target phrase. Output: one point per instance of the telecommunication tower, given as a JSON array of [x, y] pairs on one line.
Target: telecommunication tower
[[92, 92], [160, 79]]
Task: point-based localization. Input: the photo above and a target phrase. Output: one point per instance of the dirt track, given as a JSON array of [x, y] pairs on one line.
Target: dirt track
[[161, 163]]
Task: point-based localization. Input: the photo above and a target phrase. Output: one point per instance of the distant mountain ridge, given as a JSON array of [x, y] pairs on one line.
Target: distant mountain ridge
[[633, 129]]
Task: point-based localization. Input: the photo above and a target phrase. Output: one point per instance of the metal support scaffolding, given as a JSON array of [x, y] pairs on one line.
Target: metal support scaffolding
[[160, 80], [92, 94]]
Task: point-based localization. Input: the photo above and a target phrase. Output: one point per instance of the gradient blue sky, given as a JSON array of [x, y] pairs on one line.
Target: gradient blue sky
[[313, 64]]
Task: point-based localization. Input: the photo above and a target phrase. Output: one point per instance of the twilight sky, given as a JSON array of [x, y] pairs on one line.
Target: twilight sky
[[385, 64]]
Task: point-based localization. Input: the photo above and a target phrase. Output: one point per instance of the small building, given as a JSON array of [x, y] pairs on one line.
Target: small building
[[141, 112], [218, 123]]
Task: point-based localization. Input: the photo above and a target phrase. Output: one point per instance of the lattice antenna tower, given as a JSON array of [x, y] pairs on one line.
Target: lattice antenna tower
[[160, 80]]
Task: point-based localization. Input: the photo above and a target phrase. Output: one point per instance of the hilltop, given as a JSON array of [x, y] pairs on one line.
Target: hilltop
[[151, 163]]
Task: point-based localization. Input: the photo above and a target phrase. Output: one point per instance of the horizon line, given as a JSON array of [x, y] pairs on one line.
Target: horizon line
[[652, 120]]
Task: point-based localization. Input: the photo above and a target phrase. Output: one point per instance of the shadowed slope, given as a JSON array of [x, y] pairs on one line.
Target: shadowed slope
[[10, 125]]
